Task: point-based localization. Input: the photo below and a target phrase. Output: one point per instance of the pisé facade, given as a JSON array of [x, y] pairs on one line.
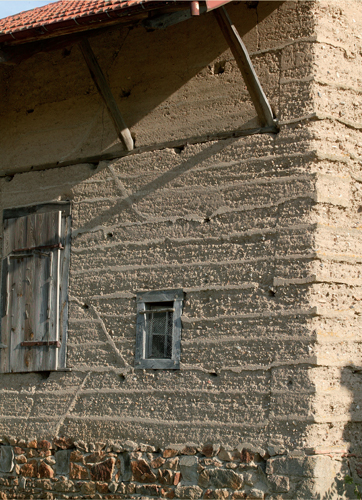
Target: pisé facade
[[181, 297]]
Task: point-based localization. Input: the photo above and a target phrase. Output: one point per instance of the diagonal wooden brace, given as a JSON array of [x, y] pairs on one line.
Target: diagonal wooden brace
[[246, 67], [103, 88]]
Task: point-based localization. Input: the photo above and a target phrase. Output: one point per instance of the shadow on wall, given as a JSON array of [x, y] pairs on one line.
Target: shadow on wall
[[60, 115], [129, 202], [351, 378], [348, 480]]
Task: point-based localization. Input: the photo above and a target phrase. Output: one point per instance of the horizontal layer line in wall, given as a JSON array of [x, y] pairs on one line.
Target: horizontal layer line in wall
[[318, 280], [339, 418], [206, 240], [215, 288], [277, 48], [321, 117], [203, 185], [180, 392], [357, 231], [338, 257], [290, 179], [335, 314], [218, 340], [291, 418], [195, 217], [323, 83], [191, 423], [305, 155], [250, 340], [262, 258], [269, 168], [86, 321], [258, 181], [338, 86], [165, 391], [305, 79], [259, 315], [303, 363]]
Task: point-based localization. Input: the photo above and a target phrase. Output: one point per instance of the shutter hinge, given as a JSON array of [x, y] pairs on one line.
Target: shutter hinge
[[41, 343], [43, 247]]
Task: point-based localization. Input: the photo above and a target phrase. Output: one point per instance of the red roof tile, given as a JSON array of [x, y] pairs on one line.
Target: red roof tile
[[73, 15], [66, 14]]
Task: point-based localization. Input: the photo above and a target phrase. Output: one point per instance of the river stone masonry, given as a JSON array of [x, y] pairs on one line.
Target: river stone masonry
[[63, 469]]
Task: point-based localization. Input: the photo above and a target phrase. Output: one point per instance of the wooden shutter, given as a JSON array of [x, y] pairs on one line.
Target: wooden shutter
[[31, 292]]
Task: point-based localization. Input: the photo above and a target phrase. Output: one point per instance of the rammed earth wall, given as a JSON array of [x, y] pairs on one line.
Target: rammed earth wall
[[262, 233]]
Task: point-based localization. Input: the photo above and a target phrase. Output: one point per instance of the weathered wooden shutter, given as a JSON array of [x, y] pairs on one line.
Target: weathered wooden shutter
[[31, 292]]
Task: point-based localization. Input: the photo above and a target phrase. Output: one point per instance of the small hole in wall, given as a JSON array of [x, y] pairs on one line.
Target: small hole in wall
[[271, 292], [122, 378], [109, 235], [213, 374], [219, 67], [207, 219], [125, 93], [93, 166], [28, 111], [359, 209], [85, 306], [290, 383], [44, 375], [9, 178], [179, 149], [66, 52]]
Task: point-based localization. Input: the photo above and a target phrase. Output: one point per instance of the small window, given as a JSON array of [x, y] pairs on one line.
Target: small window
[[159, 329], [36, 249]]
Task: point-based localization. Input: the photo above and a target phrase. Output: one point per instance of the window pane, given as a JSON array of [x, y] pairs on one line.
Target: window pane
[[159, 332]]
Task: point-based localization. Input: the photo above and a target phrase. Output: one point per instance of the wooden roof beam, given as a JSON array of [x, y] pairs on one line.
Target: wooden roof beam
[[246, 67], [105, 92]]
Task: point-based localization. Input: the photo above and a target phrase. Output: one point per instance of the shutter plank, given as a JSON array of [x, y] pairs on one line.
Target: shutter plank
[[63, 267], [34, 284], [17, 238], [5, 327]]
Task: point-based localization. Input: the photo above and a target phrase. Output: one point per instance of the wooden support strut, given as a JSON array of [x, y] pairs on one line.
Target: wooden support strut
[[101, 83], [247, 70]]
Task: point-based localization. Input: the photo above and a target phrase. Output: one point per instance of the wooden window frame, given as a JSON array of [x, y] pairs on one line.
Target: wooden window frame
[[60, 345], [144, 300]]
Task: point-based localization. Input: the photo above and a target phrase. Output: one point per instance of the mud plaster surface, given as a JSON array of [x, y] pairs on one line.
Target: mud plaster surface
[[262, 233]]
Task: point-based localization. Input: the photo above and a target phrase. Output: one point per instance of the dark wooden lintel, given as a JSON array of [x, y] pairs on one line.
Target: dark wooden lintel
[[246, 67], [96, 159], [103, 88], [165, 20]]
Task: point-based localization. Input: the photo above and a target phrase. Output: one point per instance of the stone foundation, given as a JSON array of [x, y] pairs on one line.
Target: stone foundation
[[64, 469]]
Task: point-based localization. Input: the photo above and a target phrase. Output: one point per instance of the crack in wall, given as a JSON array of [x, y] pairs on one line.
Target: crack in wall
[[125, 194], [110, 341], [71, 405]]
